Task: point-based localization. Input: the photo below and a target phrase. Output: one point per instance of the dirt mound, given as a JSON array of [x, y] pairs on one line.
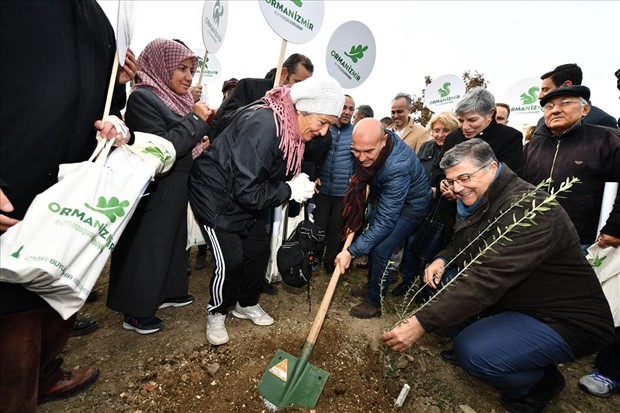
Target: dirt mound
[[176, 370]]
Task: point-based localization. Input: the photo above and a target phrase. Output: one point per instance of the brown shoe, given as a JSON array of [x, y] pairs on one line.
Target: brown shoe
[[71, 383], [359, 292], [365, 310]]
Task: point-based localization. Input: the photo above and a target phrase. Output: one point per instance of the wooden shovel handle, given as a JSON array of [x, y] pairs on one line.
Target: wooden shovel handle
[[327, 298]]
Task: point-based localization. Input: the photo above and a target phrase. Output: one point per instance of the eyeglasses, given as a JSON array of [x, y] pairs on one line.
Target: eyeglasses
[[561, 104], [463, 179]]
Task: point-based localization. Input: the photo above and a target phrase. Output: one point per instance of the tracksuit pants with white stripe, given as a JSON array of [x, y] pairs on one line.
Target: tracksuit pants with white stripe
[[240, 261]]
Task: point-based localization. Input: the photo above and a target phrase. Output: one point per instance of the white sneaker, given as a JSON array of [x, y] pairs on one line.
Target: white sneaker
[[216, 329], [254, 313]]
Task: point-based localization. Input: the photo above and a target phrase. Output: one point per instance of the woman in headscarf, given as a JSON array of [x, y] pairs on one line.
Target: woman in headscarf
[[244, 174], [149, 263]]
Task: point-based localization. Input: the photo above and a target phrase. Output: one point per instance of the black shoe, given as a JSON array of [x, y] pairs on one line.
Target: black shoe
[[450, 357], [268, 288], [177, 302], [91, 297], [201, 262], [147, 325], [329, 267], [82, 327], [362, 265], [401, 289], [539, 396]]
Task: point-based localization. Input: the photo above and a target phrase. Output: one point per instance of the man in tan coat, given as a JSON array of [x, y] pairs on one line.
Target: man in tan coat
[[414, 135]]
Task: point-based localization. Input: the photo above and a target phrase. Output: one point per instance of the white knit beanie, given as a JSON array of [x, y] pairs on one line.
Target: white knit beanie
[[316, 95]]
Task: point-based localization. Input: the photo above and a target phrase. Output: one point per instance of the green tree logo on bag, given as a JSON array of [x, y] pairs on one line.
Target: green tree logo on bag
[[531, 95], [297, 3], [356, 53], [18, 252], [444, 90], [155, 151], [111, 209], [598, 261]]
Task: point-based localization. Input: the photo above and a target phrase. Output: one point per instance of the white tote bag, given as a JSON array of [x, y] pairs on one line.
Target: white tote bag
[[69, 231], [606, 264]]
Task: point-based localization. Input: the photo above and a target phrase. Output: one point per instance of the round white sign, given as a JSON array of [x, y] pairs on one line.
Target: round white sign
[[351, 54], [443, 93], [212, 71], [124, 29], [523, 100], [214, 23], [296, 21]]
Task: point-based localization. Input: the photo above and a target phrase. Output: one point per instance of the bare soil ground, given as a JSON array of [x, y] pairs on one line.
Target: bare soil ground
[[176, 370]]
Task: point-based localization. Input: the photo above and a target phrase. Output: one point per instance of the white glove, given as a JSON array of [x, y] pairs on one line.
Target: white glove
[[302, 188]]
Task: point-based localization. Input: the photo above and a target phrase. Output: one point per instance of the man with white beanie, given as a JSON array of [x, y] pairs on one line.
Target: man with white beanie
[[253, 166]]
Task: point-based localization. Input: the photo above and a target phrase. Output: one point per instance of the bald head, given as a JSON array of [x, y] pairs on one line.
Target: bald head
[[368, 140]]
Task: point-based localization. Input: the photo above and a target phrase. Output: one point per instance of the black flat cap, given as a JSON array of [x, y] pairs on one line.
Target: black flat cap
[[575, 90]]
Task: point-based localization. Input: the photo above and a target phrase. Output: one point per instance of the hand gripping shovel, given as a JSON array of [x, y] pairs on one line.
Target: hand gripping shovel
[[292, 381]]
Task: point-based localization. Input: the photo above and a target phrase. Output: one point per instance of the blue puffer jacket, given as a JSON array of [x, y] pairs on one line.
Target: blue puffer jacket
[[337, 168], [400, 187]]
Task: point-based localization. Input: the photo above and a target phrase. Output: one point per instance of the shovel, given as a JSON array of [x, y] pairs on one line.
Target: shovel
[[292, 381]]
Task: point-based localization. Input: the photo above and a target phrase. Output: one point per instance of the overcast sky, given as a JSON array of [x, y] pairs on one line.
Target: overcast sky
[[505, 41]]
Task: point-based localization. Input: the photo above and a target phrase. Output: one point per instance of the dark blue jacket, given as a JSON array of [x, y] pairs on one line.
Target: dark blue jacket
[[337, 168], [400, 187]]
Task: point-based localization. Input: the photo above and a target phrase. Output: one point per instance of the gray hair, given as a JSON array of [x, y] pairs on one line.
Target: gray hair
[[407, 97], [478, 100], [476, 150], [365, 111]]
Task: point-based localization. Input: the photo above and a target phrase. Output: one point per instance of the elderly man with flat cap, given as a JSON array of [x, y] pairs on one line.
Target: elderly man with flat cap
[[566, 146]]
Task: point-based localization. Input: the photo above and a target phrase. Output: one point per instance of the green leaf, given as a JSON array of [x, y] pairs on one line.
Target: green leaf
[[111, 209], [598, 261], [155, 151], [356, 53]]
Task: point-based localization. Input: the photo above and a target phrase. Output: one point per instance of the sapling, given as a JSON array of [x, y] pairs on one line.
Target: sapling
[[525, 221]]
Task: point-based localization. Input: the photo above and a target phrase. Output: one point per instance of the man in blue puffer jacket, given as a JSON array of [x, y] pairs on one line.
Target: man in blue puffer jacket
[[401, 198], [334, 177]]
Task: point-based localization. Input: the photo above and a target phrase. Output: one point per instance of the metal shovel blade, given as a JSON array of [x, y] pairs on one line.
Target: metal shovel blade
[[291, 381]]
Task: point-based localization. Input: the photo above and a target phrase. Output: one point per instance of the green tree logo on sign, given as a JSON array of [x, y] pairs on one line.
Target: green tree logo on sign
[[218, 11], [444, 90], [356, 53], [111, 209], [297, 3], [531, 96]]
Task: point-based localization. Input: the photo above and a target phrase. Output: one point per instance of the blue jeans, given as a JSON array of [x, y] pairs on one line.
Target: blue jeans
[[509, 351], [381, 254], [412, 263]]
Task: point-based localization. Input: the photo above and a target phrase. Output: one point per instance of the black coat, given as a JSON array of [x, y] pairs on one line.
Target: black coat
[[588, 152], [506, 142], [241, 175], [55, 64], [151, 252]]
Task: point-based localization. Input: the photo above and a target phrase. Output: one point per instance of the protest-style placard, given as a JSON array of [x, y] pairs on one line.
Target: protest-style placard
[[351, 54], [443, 93]]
